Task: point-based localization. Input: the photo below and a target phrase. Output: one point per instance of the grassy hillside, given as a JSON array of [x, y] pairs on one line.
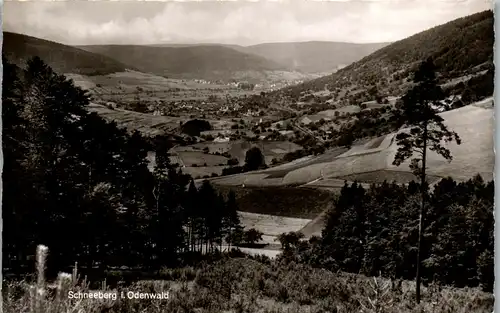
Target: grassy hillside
[[209, 62], [19, 48], [459, 47], [314, 56]]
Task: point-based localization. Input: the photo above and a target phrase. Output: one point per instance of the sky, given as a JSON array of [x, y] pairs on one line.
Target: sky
[[76, 22]]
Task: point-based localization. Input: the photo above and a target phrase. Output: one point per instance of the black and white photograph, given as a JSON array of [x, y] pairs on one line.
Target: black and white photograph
[[248, 156]]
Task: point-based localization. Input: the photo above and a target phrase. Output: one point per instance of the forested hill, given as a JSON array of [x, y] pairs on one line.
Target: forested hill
[[19, 48], [208, 62], [459, 47]]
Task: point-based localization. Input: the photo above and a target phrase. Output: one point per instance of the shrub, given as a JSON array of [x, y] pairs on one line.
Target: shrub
[[232, 162]]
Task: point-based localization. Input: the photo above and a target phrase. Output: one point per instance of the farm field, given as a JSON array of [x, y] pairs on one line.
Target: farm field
[[333, 183], [201, 171], [388, 175], [238, 148], [275, 175], [190, 158], [371, 146], [271, 225], [344, 109], [199, 164]]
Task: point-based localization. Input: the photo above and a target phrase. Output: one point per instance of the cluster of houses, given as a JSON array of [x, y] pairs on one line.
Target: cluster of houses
[[250, 113], [235, 107]]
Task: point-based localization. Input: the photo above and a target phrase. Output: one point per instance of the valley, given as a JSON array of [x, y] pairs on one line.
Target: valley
[[198, 161], [302, 139]]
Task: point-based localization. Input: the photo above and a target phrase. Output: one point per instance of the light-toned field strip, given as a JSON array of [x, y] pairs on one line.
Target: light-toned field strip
[[267, 252], [271, 225]]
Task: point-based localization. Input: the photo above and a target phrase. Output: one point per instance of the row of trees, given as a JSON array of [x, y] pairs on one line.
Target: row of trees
[[375, 231], [81, 185]]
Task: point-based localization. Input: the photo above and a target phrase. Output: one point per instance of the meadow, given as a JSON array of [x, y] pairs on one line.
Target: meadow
[[190, 158]]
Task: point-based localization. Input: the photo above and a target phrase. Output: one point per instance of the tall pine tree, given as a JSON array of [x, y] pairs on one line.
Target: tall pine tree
[[426, 131]]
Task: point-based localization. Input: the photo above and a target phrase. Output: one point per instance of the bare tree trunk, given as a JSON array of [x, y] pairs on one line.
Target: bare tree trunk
[[207, 239], [421, 214], [191, 237], [159, 243]]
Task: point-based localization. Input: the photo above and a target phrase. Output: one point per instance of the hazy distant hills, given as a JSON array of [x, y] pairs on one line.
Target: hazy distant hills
[[314, 56], [201, 61], [459, 47], [62, 58], [305, 57]]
